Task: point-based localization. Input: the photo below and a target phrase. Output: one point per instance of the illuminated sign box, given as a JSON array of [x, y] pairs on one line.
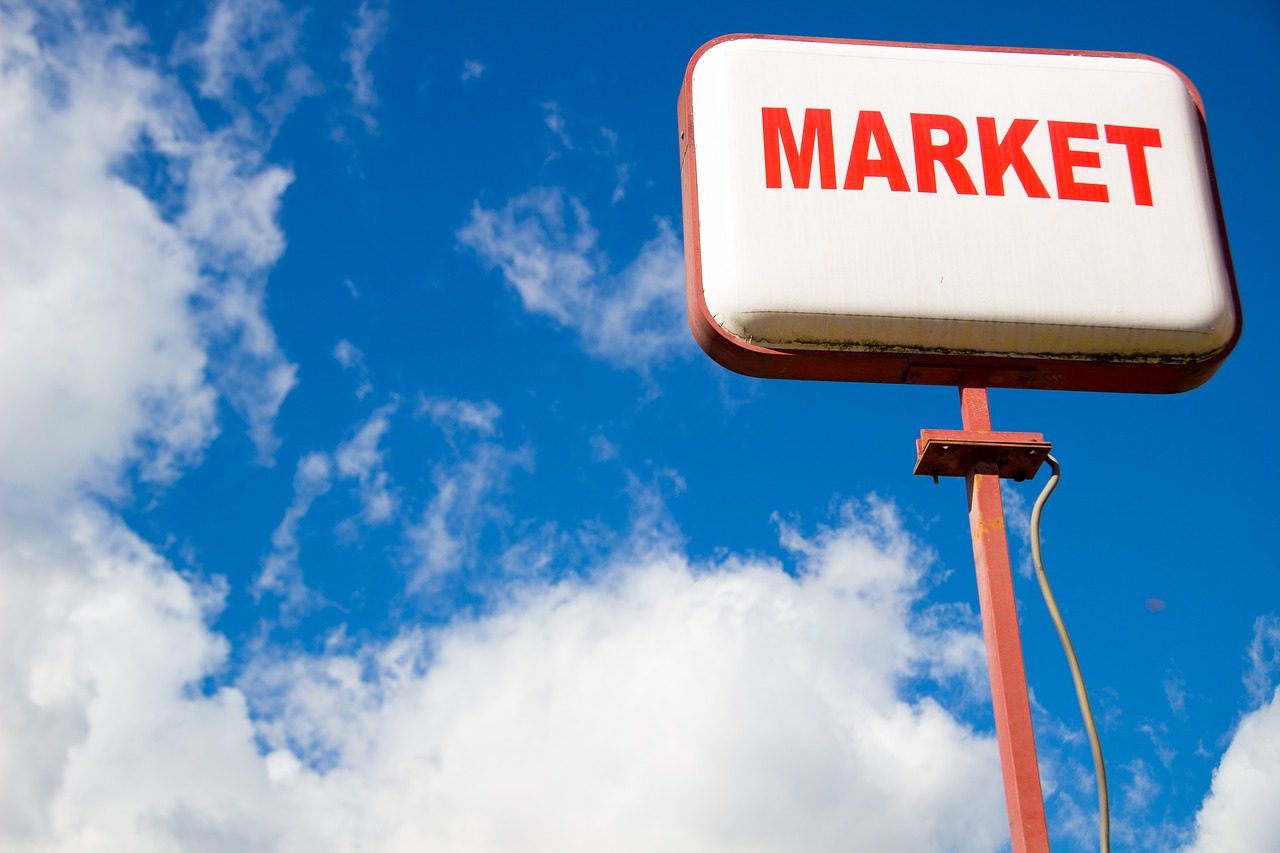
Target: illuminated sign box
[[912, 213]]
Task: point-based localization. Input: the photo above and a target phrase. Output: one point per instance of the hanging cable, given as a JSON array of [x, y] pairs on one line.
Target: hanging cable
[[1104, 810]]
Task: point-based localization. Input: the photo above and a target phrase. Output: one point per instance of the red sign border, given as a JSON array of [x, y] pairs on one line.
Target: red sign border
[[928, 368]]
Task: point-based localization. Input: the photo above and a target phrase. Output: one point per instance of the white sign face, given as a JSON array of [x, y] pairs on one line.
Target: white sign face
[[968, 205]]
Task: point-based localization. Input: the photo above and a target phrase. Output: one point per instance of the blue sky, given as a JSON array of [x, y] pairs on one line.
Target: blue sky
[[362, 487]]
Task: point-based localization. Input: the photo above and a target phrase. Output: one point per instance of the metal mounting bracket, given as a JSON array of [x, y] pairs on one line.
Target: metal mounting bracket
[[956, 453]]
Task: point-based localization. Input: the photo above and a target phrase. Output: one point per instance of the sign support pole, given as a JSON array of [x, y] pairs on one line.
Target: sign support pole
[[983, 457]]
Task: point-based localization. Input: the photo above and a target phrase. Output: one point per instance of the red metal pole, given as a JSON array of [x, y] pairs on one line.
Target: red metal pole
[[1022, 793]]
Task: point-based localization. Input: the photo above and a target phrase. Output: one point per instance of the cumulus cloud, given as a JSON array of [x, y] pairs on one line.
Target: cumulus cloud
[[669, 707], [1240, 815], [103, 740], [665, 704], [545, 246], [124, 312], [136, 245]]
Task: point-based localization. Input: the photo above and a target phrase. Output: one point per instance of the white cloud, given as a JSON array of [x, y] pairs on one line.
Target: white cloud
[[452, 416], [602, 449], [1018, 524], [103, 741], [555, 123], [623, 172], [361, 458], [349, 356], [666, 707], [121, 315], [249, 54], [663, 705], [445, 538], [1240, 814], [547, 250], [1175, 691], [472, 70], [281, 573], [369, 30], [1264, 658], [1158, 734]]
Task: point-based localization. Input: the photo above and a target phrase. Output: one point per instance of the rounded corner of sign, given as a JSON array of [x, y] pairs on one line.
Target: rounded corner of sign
[[1177, 73], [710, 327], [724, 347], [1192, 376], [711, 45], [1233, 327]]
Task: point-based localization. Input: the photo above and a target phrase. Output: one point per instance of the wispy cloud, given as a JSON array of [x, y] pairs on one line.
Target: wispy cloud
[[249, 55], [1158, 734], [351, 358], [369, 30], [281, 574], [472, 70], [1264, 659], [545, 246], [1175, 691], [1018, 524], [446, 537], [602, 449], [362, 458], [556, 124], [451, 415]]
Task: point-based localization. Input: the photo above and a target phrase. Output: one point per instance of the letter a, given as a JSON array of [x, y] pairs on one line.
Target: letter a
[[871, 126]]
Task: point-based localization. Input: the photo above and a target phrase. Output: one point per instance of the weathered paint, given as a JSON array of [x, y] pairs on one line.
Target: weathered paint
[[951, 453], [978, 453]]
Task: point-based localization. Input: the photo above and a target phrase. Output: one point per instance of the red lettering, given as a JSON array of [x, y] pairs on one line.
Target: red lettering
[[998, 156], [817, 132], [1136, 140], [948, 153], [871, 126], [1066, 160]]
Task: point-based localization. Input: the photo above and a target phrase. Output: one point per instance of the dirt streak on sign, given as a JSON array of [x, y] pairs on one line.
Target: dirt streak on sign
[[904, 212]]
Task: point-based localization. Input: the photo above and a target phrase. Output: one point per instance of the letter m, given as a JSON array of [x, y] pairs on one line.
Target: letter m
[[816, 133]]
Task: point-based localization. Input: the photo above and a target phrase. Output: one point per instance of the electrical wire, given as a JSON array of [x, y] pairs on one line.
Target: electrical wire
[[1104, 811]]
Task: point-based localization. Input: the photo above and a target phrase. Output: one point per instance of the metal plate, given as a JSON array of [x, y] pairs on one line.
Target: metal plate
[[957, 453]]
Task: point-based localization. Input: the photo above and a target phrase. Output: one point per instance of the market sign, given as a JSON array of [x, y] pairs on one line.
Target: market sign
[[926, 214]]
